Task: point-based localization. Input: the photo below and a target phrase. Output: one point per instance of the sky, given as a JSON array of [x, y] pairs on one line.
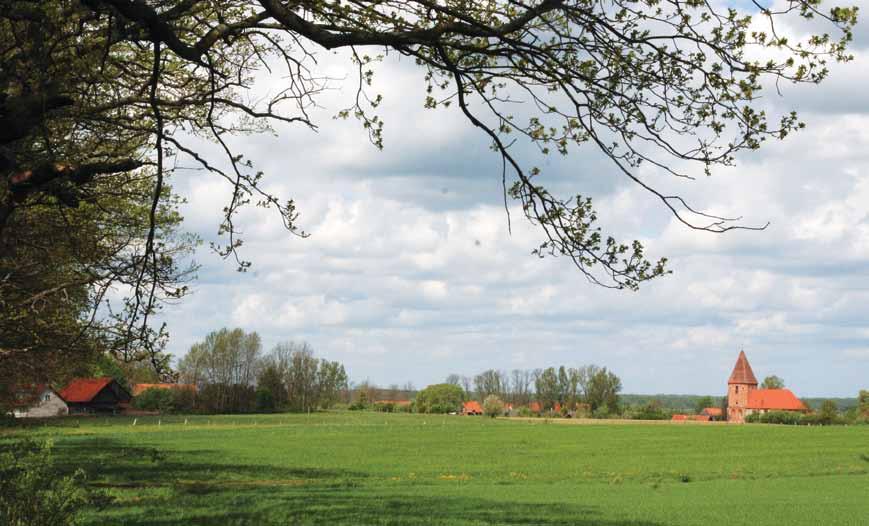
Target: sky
[[410, 273]]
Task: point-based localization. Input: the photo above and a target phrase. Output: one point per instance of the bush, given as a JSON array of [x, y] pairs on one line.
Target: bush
[[184, 400], [776, 417], [166, 400], [525, 411], [384, 407], [33, 492], [265, 400], [652, 411], [440, 398], [493, 406], [796, 419], [155, 399], [601, 412]]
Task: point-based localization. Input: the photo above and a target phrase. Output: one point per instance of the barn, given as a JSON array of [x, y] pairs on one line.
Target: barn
[[472, 408], [95, 395]]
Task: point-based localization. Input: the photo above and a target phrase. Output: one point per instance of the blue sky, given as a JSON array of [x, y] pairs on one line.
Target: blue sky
[[410, 273]]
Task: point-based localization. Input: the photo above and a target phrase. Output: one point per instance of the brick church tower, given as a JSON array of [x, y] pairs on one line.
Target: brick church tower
[[740, 384]]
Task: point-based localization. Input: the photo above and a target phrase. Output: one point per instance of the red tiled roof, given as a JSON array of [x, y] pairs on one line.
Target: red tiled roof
[[711, 411], [535, 407], [742, 373], [84, 389], [775, 399], [679, 418], [140, 388], [472, 407], [700, 418]]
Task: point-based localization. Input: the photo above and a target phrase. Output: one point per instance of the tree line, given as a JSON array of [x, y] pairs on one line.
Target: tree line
[[233, 374], [594, 386]]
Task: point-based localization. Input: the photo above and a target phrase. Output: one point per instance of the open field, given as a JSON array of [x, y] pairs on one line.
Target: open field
[[366, 468]]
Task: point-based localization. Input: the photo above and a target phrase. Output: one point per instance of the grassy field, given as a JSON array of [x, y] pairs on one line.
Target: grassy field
[[358, 469]]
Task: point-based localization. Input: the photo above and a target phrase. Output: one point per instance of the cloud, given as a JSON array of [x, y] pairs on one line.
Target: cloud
[[411, 274]]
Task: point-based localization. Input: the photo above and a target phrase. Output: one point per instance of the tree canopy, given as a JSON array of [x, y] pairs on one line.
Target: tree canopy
[[772, 382], [100, 99], [440, 398]]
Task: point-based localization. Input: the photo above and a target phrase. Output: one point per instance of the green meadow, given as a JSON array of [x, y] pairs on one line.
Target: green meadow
[[368, 468]]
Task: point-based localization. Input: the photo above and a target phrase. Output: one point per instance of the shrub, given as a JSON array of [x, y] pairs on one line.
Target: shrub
[[829, 413], [796, 419], [440, 398], [33, 492], [184, 400], [493, 406], [265, 400], [155, 399], [384, 407], [524, 411], [601, 412], [652, 411]]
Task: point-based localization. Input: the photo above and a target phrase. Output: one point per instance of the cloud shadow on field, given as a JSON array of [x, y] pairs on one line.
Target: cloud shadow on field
[[156, 487]]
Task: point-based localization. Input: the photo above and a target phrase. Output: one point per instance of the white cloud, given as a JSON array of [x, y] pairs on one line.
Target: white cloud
[[410, 273]]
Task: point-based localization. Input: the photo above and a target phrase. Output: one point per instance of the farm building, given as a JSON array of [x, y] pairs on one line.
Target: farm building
[[744, 398], [472, 408], [38, 401], [714, 413], [95, 395]]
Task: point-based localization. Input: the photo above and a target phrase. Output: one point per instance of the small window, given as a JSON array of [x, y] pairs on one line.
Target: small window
[[737, 388], [46, 397]]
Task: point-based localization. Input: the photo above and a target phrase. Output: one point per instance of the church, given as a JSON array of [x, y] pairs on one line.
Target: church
[[744, 398]]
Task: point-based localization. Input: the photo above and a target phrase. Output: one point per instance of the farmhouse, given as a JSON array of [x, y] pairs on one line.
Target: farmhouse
[[95, 395], [472, 408], [38, 401], [714, 413], [744, 398]]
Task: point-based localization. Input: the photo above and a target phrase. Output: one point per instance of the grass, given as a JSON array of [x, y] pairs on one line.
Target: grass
[[364, 468]]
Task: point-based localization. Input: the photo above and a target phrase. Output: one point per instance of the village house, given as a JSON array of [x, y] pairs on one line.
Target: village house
[[744, 398], [472, 408], [95, 395], [38, 401], [714, 413]]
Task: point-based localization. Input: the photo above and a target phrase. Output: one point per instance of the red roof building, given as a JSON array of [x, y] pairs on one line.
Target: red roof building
[[95, 395], [37, 400], [472, 408], [763, 400], [744, 398], [714, 412]]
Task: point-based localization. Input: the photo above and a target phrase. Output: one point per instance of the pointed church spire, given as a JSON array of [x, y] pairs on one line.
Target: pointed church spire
[[742, 373]]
